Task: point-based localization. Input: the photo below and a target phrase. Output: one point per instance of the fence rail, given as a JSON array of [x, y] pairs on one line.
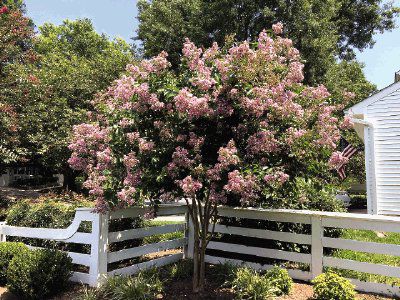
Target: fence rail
[[228, 246]]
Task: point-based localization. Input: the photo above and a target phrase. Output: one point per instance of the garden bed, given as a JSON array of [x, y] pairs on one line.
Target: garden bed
[[181, 290]]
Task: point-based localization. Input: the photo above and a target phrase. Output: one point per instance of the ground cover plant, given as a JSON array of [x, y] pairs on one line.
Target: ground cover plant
[[230, 127]]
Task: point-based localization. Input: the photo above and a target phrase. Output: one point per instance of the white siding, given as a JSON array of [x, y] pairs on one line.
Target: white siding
[[385, 115]]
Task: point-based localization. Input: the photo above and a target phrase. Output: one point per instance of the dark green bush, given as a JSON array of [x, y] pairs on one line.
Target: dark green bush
[[38, 274], [7, 251], [281, 280], [5, 204], [224, 273], [332, 286]]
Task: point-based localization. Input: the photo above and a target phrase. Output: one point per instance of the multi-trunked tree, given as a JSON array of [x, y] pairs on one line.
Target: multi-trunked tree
[[234, 125]]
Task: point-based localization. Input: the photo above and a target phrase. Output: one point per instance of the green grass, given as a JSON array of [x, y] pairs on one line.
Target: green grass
[[369, 236], [162, 237]]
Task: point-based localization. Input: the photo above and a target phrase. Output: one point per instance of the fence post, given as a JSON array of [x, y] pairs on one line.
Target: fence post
[[99, 249], [2, 235], [317, 250], [190, 237]]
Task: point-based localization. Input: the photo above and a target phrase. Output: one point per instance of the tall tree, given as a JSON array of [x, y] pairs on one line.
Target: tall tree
[[75, 63], [16, 37], [321, 30]]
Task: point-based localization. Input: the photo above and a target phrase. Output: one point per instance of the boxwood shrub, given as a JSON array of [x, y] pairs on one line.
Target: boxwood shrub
[[37, 274], [281, 280], [7, 252], [332, 286]]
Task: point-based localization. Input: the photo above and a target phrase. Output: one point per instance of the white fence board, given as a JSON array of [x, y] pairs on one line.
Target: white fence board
[[119, 236], [371, 268], [368, 247], [133, 212], [145, 249], [264, 234], [261, 252], [158, 262], [374, 287]]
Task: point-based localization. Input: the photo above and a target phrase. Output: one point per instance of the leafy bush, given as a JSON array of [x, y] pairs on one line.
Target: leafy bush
[[52, 211], [181, 270], [5, 203], [223, 273], [281, 280], [144, 286], [249, 284], [332, 286], [39, 273], [7, 252]]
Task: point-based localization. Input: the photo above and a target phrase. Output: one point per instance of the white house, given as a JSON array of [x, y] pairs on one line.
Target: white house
[[377, 122]]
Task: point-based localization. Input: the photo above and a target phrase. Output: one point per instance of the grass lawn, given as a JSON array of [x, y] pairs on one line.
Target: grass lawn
[[369, 236]]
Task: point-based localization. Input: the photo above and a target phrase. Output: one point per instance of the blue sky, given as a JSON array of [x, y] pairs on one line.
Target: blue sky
[[118, 18]]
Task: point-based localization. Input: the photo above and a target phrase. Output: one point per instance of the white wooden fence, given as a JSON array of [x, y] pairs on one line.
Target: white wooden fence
[[100, 238], [316, 259]]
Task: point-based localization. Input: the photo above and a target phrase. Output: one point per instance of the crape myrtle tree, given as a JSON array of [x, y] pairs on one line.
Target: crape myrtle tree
[[232, 126]]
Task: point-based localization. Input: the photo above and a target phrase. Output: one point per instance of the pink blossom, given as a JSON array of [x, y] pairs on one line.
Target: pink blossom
[[191, 105], [189, 185], [347, 123], [277, 178], [277, 28], [227, 156], [195, 141], [130, 161], [262, 142], [127, 195], [337, 160], [245, 186]]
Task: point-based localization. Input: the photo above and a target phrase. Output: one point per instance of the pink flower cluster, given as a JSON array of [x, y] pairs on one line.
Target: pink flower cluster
[[192, 106], [277, 178], [328, 127], [244, 186], [189, 185], [277, 28], [227, 156], [293, 134], [262, 142], [337, 160]]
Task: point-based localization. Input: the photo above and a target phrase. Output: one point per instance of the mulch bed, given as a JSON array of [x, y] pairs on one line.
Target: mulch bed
[[182, 290]]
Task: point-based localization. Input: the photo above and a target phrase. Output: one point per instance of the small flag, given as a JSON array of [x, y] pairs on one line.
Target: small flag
[[348, 151]]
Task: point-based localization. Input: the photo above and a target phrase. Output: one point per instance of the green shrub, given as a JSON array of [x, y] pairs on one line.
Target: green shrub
[[52, 211], [281, 280], [332, 286], [181, 270], [5, 204], [224, 273], [7, 251], [143, 286], [249, 284], [38, 274]]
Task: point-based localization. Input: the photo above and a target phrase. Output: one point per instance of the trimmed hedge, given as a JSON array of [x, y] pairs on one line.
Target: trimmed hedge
[[39, 273], [7, 252]]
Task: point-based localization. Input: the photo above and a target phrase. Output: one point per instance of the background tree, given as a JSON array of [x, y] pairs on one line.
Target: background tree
[[231, 126], [75, 62], [16, 39], [321, 30]]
